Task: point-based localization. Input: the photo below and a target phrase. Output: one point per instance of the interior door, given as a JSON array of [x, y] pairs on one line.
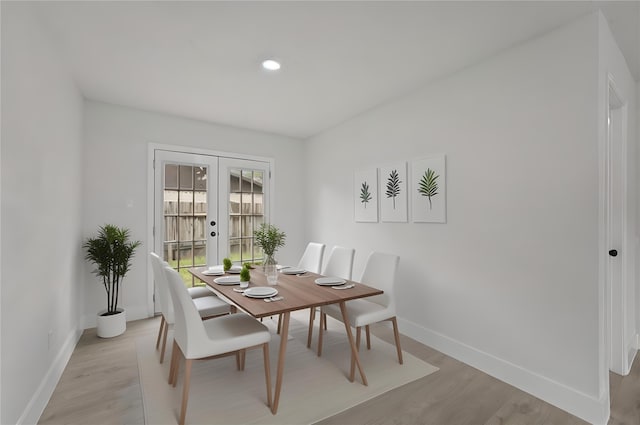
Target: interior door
[[186, 210], [617, 291]]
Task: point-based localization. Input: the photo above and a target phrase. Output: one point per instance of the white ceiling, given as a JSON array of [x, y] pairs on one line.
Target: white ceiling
[[201, 59]]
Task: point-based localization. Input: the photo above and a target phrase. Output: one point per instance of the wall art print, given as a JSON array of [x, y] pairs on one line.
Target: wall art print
[[365, 195], [393, 192], [428, 189]]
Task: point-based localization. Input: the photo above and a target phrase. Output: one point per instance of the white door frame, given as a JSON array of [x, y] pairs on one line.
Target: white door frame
[[151, 148]]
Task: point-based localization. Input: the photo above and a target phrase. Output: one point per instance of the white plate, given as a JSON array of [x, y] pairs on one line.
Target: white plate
[[235, 269], [227, 280], [293, 270], [260, 292], [330, 281], [212, 273], [280, 267]]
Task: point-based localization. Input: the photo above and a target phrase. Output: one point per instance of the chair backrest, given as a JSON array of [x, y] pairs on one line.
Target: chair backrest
[[189, 332], [380, 272], [311, 259], [340, 262], [162, 288]]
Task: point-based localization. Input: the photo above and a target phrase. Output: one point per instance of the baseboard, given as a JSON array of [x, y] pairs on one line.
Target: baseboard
[[594, 410], [41, 397]]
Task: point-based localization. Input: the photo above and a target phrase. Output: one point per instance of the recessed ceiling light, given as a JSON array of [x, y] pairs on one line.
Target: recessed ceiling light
[[271, 65]]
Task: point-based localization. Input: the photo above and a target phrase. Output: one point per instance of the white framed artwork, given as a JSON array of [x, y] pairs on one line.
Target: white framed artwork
[[393, 192], [429, 189], [365, 195]]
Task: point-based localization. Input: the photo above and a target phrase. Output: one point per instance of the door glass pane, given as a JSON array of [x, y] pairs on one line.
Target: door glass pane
[[234, 226], [185, 179], [234, 203], [257, 181], [234, 180], [171, 176], [200, 177]]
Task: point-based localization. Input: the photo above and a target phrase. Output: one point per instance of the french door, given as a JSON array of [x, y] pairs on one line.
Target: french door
[[206, 208]]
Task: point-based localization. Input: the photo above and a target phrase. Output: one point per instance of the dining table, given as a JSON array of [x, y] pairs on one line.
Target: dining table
[[298, 291]]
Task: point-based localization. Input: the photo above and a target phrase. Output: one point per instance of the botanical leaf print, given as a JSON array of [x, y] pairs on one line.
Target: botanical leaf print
[[428, 185]]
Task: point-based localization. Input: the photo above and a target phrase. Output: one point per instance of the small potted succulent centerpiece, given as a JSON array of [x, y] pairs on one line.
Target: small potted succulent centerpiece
[[111, 251], [269, 238], [245, 277], [226, 264]]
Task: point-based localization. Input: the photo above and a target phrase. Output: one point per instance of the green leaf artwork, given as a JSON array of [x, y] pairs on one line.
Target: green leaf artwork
[[365, 195], [393, 186], [428, 185]]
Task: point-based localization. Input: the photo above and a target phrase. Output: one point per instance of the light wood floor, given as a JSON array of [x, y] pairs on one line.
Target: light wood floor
[[100, 385]]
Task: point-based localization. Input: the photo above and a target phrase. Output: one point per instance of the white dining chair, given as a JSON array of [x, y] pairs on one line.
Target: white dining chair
[[379, 272], [339, 264], [196, 339], [209, 306], [194, 291], [311, 259]]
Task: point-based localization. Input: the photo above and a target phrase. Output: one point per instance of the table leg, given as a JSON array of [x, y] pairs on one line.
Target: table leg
[[355, 358], [284, 334]]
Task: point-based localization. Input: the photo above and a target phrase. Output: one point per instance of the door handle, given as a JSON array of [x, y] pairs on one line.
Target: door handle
[[613, 253], [213, 233]]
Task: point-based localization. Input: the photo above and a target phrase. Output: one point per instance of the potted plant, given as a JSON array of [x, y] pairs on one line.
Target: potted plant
[[226, 264], [245, 276], [111, 251], [269, 238]]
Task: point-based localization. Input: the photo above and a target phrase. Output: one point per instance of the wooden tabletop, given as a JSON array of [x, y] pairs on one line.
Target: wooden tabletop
[[299, 292]]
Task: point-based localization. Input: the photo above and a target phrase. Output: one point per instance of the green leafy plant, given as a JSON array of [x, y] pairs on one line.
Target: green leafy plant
[[393, 186], [245, 274], [226, 264], [269, 238], [248, 265], [428, 185], [111, 251], [365, 195]]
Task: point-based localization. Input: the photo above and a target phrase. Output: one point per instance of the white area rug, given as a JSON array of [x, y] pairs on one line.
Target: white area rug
[[313, 387]]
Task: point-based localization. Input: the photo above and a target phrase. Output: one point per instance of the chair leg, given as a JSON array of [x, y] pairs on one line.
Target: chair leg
[[160, 332], [172, 363], [279, 320], [322, 318], [358, 332], [185, 390], [243, 356], [368, 337], [164, 342], [177, 353], [312, 317], [267, 372], [396, 335]]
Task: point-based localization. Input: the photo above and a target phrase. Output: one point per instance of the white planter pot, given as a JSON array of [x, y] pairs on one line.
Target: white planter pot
[[113, 325]]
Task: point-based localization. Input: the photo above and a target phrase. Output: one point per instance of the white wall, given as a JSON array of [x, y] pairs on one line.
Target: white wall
[[41, 216], [510, 283], [612, 66], [115, 173]]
